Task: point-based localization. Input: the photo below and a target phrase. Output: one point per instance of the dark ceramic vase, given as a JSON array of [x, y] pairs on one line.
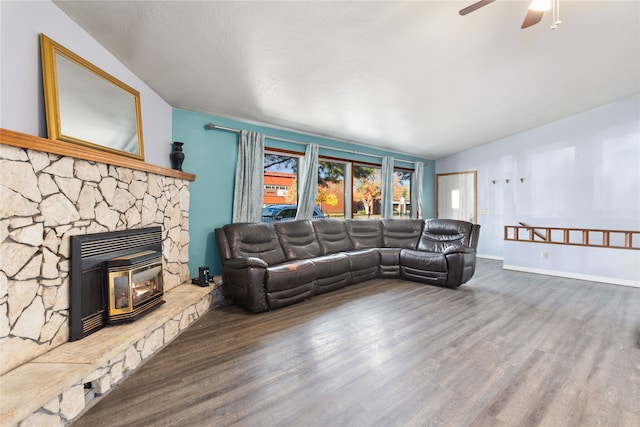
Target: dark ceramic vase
[[177, 156]]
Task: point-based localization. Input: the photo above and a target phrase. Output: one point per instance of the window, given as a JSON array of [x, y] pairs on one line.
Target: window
[[345, 189], [331, 186], [455, 199], [402, 193], [280, 178], [366, 192], [280, 195]]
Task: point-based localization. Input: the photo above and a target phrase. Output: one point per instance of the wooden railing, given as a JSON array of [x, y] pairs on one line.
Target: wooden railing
[[618, 239]]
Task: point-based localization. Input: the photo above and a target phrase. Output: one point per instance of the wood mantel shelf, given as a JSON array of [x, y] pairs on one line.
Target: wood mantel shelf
[[62, 148]]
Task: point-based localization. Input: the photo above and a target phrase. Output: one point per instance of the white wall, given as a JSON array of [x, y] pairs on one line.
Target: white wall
[[21, 94], [581, 171]]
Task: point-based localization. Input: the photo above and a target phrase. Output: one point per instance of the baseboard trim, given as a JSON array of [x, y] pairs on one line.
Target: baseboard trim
[[569, 275], [497, 258]]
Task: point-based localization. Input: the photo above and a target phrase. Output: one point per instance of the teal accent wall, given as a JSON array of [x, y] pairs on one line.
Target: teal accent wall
[[429, 190], [212, 154]]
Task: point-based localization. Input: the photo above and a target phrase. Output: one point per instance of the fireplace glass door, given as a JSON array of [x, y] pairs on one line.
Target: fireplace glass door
[[135, 285]]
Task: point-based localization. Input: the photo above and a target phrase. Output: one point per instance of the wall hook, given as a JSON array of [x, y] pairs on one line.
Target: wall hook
[[493, 182], [521, 179], [507, 180]]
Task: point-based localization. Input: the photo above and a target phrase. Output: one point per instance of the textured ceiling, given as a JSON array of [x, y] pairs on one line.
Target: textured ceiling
[[413, 77]]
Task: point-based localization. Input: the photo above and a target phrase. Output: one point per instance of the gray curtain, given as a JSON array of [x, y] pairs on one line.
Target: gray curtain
[[416, 191], [308, 188], [247, 195], [387, 187]]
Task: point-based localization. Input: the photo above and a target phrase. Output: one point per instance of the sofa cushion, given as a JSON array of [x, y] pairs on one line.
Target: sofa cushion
[[290, 279], [363, 264], [287, 275], [362, 259], [421, 260], [401, 233], [423, 266], [298, 240], [254, 240], [331, 265], [365, 233], [332, 236], [389, 262], [332, 272], [440, 234]]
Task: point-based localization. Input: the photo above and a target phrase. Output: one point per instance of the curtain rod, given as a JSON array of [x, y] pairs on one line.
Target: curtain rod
[[213, 126]]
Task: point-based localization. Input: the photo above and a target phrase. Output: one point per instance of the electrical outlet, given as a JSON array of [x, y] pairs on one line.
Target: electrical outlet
[[545, 255]]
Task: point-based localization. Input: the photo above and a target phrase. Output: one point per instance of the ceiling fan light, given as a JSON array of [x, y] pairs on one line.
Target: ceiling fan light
[[540, 5]]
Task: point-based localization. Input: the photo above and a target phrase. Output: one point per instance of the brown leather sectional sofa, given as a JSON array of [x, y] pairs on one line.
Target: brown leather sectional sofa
[[268, 266]]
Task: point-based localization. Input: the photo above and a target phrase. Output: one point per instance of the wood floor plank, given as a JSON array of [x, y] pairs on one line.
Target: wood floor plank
[[507, 349]]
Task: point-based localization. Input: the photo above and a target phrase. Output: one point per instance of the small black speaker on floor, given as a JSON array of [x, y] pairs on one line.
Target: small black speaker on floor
[[203, 277]]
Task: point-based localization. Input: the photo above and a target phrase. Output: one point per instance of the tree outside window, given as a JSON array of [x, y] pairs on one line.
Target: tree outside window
[[366, 191], [401, 194], [331, 188]]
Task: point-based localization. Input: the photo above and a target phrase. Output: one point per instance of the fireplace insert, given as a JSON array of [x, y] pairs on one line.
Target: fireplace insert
[[134, 285], [115, 277]]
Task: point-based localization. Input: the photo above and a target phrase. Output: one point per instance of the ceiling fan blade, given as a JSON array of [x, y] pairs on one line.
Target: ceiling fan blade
[[532, 18], [475, 6]]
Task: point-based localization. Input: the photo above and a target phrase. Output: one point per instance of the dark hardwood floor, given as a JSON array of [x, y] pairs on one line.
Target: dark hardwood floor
[[505, 349]]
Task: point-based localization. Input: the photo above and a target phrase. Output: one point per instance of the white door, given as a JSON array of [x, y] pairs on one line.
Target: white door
[[456, 196]]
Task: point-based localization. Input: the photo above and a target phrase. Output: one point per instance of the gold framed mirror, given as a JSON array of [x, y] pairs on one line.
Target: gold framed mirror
[[88, 106]]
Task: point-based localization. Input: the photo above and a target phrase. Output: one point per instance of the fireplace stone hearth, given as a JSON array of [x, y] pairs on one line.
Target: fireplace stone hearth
[[58, 386]]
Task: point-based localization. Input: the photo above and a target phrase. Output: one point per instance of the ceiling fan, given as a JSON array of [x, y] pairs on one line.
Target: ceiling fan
[[536, 10]]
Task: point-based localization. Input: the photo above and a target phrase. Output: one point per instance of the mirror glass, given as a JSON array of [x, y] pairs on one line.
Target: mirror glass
[[87, 106]]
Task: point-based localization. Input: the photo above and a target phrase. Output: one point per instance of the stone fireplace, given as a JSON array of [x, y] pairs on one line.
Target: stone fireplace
[[47, 199], [53, 192]]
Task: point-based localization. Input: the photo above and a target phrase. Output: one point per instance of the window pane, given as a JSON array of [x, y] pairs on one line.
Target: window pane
[[401, 194], [455, 199], [280, 195], [331, 189], [366, 192]]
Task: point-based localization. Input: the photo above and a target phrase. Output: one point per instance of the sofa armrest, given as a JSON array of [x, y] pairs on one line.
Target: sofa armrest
[[459, 249], [243, 281], [461, 264], [240, 263]]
